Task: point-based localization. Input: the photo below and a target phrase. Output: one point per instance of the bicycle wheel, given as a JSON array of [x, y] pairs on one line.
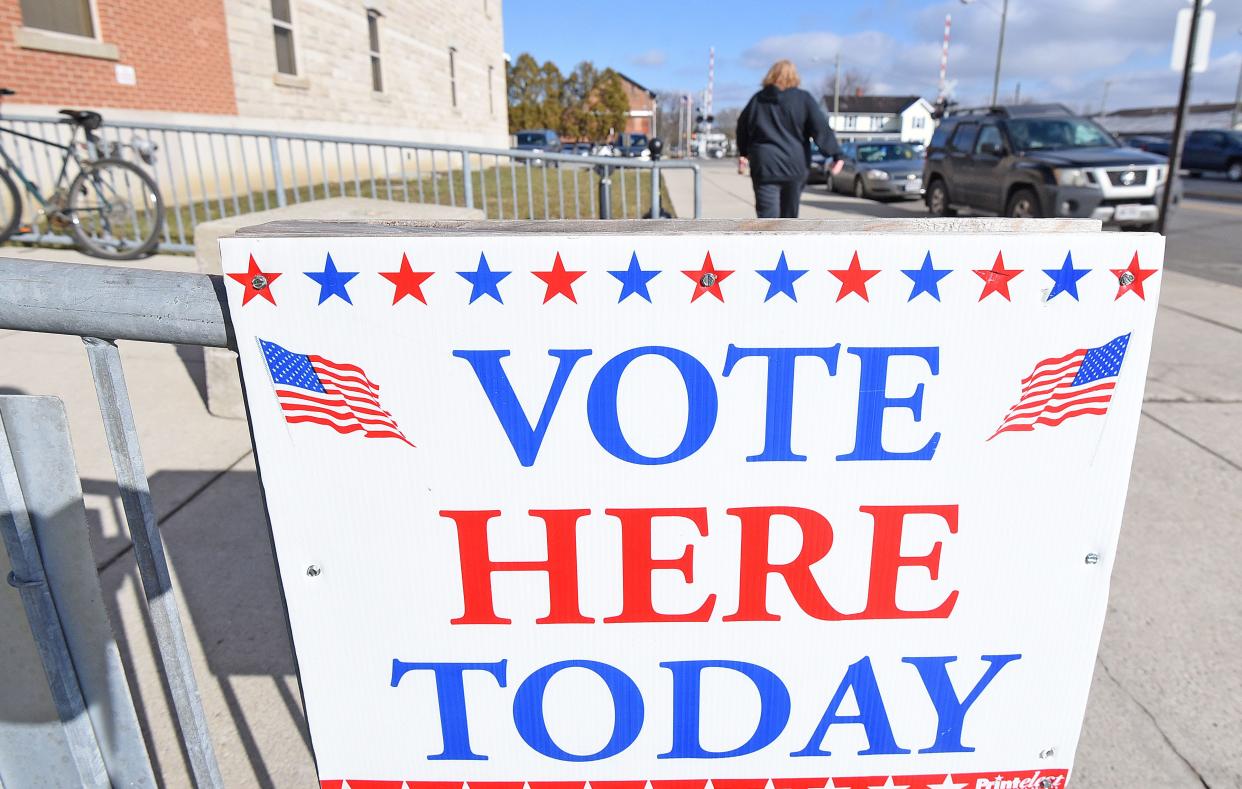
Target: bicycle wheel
[[115, 210], [10, 206]]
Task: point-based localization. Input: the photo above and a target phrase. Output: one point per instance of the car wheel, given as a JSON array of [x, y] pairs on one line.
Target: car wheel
[[1023, 204], [860, 189], [938, 199], [1194, 174], [1234, 173]]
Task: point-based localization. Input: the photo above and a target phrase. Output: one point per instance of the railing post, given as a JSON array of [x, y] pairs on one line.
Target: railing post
[[280, 178], [655, 191], [29, 579], [698, 192], [605, 193], [467, 187], [131, 477]]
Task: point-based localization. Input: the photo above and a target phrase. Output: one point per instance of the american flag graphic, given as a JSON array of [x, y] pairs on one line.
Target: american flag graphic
[[313, 389], [1079, 383]]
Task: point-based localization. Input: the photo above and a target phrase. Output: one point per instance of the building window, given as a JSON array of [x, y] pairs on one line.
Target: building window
[[377, 74], [453, 73], [877, 122], [917, 122], [491, 99], [851, 121], [72, 17], [282, 31]]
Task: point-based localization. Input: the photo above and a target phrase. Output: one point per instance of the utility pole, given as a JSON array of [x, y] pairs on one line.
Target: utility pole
[[1237, 99], [1183, 96], [1000, 50], [944, 60], [1017, 93], [836, 86]]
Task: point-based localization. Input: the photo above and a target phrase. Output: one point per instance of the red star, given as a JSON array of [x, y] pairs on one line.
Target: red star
[[408, 282], [559, 281], [996, 279], [1136, 277], [853, 279], [707, 279], [258, 283]]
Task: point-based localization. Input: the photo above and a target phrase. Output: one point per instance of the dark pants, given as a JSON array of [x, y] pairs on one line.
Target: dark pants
[[778, 199]]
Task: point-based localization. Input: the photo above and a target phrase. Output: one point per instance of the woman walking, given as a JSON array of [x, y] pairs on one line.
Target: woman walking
[[774, 133]]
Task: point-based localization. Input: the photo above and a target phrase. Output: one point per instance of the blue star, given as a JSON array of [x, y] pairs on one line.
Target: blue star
[[483, 281], [781, 279], [926, 278], [1065, 279], [332, 282], [634, 279]]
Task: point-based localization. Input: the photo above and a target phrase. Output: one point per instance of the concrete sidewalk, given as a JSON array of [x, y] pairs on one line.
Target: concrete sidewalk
[[1166, 705]]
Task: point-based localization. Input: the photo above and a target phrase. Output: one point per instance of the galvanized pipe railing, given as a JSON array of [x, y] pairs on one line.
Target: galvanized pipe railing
[[103, 304], [207, 173]]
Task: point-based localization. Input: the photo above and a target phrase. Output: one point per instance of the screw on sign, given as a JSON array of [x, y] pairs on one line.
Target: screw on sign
[[259, 282], [1126, 278]]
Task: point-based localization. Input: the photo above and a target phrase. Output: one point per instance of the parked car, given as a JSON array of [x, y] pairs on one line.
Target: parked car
[[538, 141], [1153, 143], [819, 166], [631, 145], [1041, 160], [880, 170], [577, 149]]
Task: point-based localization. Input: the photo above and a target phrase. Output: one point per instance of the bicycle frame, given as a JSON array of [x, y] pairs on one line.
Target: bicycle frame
[[61, 178]]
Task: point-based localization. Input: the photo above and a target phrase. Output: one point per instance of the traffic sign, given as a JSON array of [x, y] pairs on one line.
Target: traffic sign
[[728, 502], [1203, 40]]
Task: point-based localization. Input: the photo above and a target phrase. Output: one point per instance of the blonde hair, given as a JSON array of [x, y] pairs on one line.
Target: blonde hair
[[783, 74]]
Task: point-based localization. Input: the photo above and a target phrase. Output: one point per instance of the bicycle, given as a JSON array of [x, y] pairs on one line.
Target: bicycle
[[112, 208]]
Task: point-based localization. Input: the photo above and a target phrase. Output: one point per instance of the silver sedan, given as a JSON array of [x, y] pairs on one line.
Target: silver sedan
[[880, 170]]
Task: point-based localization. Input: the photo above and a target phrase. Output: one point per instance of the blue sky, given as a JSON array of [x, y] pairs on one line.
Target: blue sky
[[1059, 50]]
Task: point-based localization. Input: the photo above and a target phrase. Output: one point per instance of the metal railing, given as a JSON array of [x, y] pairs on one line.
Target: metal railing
[[103, 304], [207, 173]]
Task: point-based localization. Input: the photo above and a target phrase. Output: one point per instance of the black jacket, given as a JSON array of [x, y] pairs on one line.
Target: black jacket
[[774, 133]]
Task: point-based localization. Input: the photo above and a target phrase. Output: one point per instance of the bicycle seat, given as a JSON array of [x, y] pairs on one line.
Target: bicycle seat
[[87, 119]]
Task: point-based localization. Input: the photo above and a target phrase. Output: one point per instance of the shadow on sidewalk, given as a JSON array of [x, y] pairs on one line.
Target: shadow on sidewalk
[[232, 610]]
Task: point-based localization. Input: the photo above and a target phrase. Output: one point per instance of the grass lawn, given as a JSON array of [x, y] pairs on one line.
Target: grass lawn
[[521, 192]]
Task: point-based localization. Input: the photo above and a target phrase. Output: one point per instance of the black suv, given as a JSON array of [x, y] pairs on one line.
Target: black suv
[[1040, 160]]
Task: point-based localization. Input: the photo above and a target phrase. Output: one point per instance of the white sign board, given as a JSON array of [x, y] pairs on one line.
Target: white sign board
[[1203, 40], [809, 508]]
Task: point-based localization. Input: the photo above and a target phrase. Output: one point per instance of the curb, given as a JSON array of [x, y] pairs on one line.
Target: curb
[[1226, 197]]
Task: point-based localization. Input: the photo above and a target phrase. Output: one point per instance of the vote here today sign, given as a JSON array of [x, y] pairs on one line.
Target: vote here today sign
[[686, 504]]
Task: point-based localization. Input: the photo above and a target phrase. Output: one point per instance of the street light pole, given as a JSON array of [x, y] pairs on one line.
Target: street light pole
[[1104, 98], [1000, 51], [1175, 145], [836, 87]]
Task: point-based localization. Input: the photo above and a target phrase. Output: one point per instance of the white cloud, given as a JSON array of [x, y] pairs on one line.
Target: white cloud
[[1059, 50], [652, 57]]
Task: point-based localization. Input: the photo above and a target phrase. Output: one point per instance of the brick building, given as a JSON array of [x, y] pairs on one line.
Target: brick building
[[424, 70], [641, 119]]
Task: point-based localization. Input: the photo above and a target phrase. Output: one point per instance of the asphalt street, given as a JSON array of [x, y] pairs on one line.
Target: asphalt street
[[1203, 239]]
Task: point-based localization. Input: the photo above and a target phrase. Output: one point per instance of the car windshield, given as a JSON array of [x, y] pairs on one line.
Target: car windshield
[[638, 139], [872, 154], [531, 138], [1032, 134]]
